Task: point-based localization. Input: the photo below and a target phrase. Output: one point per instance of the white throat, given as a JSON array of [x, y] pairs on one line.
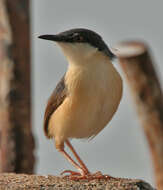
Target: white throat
[[78, 53]]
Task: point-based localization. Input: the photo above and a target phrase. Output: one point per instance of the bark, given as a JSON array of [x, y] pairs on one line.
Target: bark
[[16, 140], [138, 67], [36, 182]]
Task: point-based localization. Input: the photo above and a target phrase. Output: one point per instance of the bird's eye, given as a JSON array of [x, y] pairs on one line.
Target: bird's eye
[[77, 37]]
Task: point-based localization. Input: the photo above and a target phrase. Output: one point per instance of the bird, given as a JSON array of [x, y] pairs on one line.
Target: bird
[[87, 96]]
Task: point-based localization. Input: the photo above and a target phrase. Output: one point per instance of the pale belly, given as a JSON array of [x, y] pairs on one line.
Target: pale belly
[[84, 115], [93, 116]]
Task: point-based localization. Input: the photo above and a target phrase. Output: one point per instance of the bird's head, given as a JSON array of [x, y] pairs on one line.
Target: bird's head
[[80, 43]]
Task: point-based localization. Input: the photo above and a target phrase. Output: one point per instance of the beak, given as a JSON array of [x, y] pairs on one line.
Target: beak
[[56, 38]]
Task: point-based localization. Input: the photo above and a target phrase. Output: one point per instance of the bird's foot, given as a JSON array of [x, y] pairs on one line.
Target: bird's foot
[[72, 173], [76, 176], [99, 175]]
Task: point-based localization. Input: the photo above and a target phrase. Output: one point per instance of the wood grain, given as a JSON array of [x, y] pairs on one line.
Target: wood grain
[[49, 182], [16, 140], [140, 72]]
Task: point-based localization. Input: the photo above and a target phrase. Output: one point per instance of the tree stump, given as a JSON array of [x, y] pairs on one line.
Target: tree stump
[[139, 69], [16, 140]]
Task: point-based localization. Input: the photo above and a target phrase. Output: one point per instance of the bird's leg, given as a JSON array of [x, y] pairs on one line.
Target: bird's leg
[[86, 174], [83, 170], [77, 157], [68, 157]]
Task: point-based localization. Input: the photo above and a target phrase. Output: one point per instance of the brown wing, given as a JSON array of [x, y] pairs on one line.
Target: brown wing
[[54, 102]]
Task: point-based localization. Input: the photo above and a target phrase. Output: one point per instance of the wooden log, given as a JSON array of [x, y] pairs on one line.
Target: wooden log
[[139, 69], [16, 140], [36, 182]]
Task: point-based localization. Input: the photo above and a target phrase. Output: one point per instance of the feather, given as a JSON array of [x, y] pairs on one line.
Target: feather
[[55, 100]]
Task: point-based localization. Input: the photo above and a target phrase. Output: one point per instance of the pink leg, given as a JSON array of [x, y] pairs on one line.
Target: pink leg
[[86, 175], [77, 157], [83, 170], [72, 162]]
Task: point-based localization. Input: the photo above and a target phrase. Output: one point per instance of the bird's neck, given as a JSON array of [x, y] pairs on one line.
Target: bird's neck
[[80, 54], [88, 73], [88, 68]]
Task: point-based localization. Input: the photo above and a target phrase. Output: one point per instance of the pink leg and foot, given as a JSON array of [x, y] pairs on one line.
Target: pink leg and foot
[[83, 170]]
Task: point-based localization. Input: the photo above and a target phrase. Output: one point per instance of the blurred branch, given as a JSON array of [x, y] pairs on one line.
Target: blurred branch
[[21, 181], [139, 70], [16, 140]]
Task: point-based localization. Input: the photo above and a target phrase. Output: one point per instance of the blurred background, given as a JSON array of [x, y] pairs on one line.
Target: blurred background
[[121, 148]]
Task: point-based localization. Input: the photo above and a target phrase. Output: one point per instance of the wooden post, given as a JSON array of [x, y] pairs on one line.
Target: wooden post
[[16, 140], [141, 76], [37, 182]]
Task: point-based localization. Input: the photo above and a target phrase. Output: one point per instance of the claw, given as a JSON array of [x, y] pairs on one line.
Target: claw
[[72, 173], [76, 176], [99, 175]]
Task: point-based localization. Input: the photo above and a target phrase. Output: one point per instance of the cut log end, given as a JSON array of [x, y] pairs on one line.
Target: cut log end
[[129, 49], [139, 69]]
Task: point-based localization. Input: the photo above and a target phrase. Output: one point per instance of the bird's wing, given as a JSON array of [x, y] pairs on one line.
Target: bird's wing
[[54, 102]]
